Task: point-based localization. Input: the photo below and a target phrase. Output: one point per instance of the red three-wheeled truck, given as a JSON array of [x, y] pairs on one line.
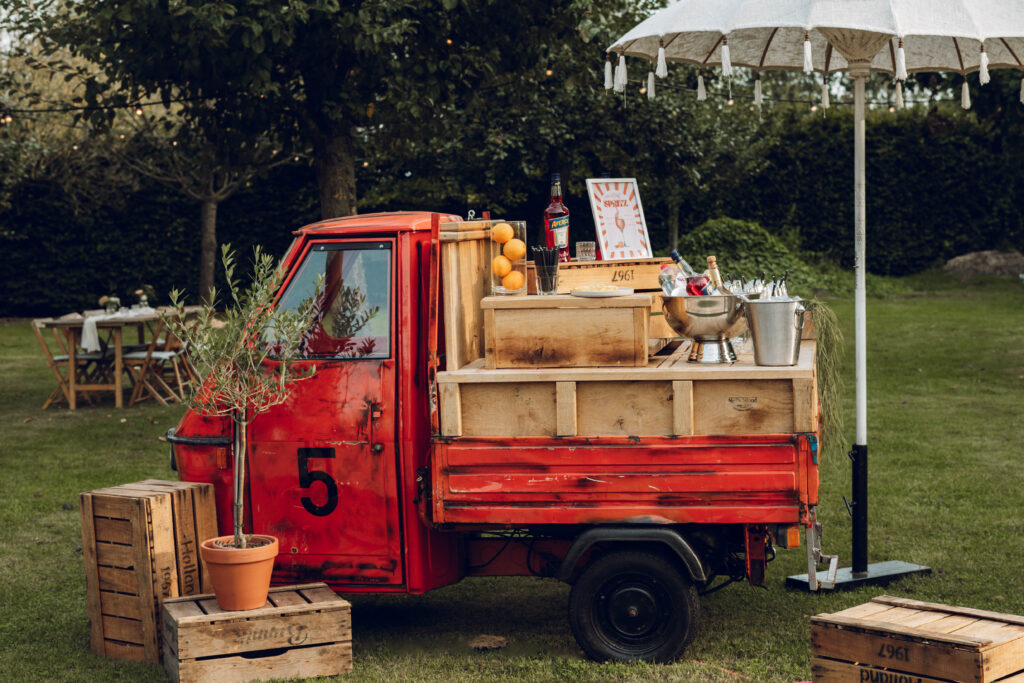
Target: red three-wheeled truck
[[411, 459]]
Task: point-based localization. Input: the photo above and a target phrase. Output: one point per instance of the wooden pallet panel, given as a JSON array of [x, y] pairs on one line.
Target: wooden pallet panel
[[303, 631], [509, 409], [465, 280], [625, 408], [669, 397]]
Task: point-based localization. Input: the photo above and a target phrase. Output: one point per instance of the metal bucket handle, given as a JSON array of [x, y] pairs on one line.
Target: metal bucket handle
[[800, 311]]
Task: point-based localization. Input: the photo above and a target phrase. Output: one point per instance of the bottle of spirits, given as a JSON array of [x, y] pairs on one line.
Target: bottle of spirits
[[556, 220]]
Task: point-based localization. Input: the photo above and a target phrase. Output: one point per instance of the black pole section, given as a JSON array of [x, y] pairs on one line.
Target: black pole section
[[859, 455]]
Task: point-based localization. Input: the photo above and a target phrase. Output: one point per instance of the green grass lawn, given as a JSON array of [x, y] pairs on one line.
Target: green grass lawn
[[946, 424]]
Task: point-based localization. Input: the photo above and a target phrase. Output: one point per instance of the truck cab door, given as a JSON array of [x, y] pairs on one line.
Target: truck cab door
[[323, 464]]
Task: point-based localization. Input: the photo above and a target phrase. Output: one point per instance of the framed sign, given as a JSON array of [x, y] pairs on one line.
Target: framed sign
[[618, 218]]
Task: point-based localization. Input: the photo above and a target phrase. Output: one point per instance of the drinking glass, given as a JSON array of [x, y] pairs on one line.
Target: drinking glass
[[586, 251]]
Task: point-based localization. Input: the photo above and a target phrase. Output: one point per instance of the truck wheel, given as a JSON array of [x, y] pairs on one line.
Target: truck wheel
[[633, 605]]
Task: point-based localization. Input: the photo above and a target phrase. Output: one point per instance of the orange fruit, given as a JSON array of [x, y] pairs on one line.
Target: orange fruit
[[514, 249], [502, 232], [501, 266], [513, 281]]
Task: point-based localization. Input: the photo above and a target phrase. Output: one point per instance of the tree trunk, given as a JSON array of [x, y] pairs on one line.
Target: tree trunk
[[334, 158], [673, 224], [241, 427], [208, 249]]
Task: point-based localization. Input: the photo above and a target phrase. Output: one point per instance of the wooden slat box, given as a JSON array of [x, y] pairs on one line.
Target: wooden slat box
[[668, 397], [895, 639], [140, 544], [302, 631], [641, 275], [564, 331]]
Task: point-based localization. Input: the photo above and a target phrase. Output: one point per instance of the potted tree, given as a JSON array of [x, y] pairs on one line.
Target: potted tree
[[245, 358]]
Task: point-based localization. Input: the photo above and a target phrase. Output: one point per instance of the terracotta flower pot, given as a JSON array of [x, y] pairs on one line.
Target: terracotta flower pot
[[240, 576]]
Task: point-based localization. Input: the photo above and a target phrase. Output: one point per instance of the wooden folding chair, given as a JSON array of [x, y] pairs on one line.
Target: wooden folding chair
[[163, 361], [90, 364]]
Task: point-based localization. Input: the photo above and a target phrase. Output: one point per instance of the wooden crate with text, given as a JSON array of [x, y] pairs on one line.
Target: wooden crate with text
[[302, 631], [140, 546], [896, 640]]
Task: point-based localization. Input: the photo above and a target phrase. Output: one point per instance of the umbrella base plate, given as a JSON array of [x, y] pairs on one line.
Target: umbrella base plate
[[878, 574]]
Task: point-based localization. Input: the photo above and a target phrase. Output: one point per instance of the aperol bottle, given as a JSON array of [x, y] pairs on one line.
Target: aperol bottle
[[556, 220]]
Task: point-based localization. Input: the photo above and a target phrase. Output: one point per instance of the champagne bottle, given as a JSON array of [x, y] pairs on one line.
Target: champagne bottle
[[718, 287]]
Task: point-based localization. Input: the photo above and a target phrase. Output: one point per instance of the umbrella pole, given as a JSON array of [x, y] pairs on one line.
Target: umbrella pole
[[859, 454], [860, 572]]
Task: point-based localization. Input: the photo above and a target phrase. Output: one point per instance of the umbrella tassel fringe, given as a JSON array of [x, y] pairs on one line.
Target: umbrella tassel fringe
[[826, 100], [901, 63], [965, 96], [758, 98], [899, 95], [650, 85], [608, 80], [662, 71], [1022, 91], [621, 76], [983, 76], [702, 93], [808, 59], [726, 60]]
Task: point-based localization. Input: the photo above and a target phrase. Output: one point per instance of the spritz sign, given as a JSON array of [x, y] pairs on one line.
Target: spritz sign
[[619, 218]]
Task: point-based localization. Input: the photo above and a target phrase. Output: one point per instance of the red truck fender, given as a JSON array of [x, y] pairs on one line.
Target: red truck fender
[[669, 538]]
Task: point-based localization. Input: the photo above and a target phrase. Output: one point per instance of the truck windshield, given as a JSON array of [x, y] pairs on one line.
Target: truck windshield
[[353, 316]]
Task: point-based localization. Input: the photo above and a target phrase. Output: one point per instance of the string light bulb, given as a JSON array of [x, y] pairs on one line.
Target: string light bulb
[[74, 147], [174, 143], [814, 107], [138, 111], [296, 158], [8, 119], [448, 41], [548, 72], [366, 164], [892, 110], [730, 101]]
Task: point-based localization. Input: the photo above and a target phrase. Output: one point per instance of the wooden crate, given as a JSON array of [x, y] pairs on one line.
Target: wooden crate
[[465, 280], [140, 544], [641, 275], [302, 631], [564, 331], [894, 640], [668, 397]]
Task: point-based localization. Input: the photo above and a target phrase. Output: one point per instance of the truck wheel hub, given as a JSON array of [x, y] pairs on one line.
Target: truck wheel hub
[[632, 610]]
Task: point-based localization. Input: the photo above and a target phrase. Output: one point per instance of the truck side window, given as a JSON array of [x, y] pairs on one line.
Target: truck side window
[[352, 319]]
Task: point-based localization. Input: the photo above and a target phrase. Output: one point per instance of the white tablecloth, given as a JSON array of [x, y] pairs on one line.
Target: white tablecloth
[[91, 338]]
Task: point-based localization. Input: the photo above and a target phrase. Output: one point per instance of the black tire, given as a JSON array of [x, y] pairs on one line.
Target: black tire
[[633, 605]]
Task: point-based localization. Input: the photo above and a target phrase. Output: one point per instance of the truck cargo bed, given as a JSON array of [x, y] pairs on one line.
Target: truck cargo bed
[[673, 442]]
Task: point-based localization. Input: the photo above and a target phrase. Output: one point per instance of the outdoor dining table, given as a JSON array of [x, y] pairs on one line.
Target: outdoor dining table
[[114, 325]]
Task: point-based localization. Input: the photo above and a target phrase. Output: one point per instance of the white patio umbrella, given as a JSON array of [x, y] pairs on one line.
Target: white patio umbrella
[[857, 36]]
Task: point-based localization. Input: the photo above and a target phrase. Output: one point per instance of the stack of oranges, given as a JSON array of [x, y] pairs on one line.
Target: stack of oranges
[[512, 250]]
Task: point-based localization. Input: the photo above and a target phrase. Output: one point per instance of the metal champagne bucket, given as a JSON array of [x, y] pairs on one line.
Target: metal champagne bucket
[[775, 327], [709, 321]]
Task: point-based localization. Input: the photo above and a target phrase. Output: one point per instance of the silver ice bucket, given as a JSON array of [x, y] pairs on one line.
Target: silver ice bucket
[[775, 327]]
